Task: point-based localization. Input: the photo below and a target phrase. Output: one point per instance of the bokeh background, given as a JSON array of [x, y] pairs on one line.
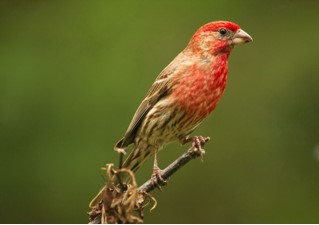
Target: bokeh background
[[72, 74]]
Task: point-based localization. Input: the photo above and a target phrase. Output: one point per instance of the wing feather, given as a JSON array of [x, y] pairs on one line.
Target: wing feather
[[158, 90]]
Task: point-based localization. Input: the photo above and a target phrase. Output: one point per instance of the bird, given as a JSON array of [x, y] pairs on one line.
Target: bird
[[182, 95]]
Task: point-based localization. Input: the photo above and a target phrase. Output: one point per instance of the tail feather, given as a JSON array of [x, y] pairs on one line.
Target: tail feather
[[137, 156]]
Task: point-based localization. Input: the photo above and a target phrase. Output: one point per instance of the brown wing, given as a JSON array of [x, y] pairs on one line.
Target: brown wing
[[158, 90]]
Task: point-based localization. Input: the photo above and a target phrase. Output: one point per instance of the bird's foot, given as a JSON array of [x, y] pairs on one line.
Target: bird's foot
[[198, 143], [157, 179]]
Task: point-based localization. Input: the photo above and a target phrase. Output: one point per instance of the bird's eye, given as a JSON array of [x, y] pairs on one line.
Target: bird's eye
[[222, 31]]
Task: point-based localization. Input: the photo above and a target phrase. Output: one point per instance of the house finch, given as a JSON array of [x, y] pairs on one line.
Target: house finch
[[183, 94]]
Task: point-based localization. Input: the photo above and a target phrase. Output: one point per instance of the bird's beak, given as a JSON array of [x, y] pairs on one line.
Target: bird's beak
[[241, 37]]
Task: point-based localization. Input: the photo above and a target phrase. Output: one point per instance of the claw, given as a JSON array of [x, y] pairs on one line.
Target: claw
[[157, 179], [197, 143]]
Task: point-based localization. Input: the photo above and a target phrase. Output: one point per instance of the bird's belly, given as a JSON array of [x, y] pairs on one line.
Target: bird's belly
[[165, 123]]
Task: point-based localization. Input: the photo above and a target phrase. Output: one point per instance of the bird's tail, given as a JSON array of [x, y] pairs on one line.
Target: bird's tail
[[138, 155]]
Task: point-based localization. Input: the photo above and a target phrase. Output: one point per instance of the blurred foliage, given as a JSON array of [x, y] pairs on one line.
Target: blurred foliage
[[72, 74]]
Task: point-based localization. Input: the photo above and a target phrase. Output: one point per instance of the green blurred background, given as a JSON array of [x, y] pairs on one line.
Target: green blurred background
[[72, 74]]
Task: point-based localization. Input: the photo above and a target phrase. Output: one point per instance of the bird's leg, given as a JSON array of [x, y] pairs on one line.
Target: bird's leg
[[157, 179], [197, 143], [185, 140]]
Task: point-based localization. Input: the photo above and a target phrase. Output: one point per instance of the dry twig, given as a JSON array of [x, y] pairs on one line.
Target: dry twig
[[113, 205]]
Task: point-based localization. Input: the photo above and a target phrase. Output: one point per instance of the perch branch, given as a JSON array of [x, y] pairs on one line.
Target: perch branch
[[148, 186], [97, 214]]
